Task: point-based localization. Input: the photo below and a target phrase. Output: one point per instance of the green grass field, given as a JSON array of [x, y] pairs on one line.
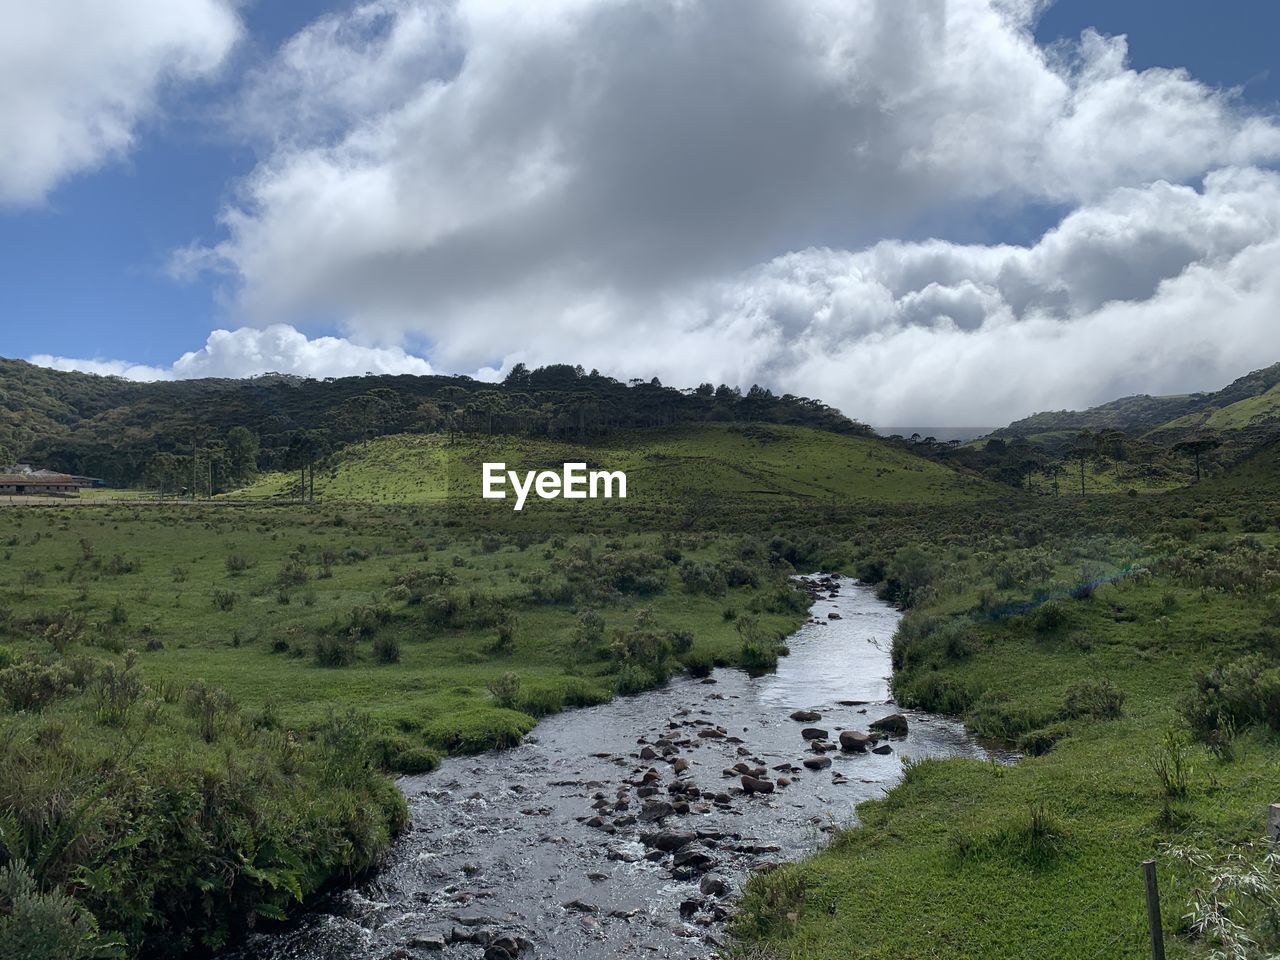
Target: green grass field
[[1042, 859], [205, 700], [731, 462]]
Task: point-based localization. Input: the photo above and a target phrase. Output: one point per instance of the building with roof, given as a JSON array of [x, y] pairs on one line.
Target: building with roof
[[22, 480]]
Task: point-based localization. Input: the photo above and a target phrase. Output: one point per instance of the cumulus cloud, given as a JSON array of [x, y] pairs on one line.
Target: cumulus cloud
[[77, 76], [247, 352], [701, 188]]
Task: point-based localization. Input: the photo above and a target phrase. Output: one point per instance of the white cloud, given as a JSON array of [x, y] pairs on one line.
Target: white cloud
[[247, 352], [700, 188], [78, 76]]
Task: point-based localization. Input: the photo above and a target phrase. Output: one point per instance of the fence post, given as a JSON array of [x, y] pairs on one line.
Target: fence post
[[1273, 821], [1153, 910]]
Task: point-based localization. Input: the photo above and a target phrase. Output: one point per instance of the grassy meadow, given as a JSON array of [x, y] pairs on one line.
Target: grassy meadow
[[1126, 649], [206, 703], [751, 463]]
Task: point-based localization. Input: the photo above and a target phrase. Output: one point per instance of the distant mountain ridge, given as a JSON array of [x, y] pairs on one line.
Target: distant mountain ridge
[[1250, 404], [121, 430]]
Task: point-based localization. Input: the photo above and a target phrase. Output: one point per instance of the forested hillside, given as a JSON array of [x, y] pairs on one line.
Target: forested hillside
[[1138, 443], [1143, 414], [132, 433]]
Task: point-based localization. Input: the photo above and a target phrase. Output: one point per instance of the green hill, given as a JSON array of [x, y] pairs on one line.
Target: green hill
[[147, 433], [1247, 402], [727, 461]]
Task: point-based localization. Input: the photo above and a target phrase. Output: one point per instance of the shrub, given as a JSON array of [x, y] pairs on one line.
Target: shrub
[[540, 701], [210, 708], [1236, 694], [699, 663], [31, 686], [910, 576], [117, 689], [1049, 618], [1171, 763], [937, 693], [759, 651], [386, 649], [589, 628], [292, 574], [224, 600], [236, 564], [1100, 699], [40, 925], [365, 621], [398, 754], [505, 689], [702, 578], [332, 650]]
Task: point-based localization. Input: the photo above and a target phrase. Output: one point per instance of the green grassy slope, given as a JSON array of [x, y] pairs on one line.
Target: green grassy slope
[[1257, 411], [765, 462], [1042, 860], [1241, 404]]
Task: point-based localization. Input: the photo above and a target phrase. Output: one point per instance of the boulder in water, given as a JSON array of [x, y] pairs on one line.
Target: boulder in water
[[895, 725], [853, 741]]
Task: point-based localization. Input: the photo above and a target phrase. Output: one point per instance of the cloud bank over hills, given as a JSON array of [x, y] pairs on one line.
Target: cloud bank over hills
[[711, 190]]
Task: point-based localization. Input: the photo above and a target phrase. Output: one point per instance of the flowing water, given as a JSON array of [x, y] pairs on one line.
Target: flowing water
[[574, 844]]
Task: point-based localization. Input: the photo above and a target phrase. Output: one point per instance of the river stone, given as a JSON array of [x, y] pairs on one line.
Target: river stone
[[668, 840], [654, 811], [882, 748], [817, 763], [853, 741], [752, 784], [713, 886], [814, 733], [895, 724], [428, 942], [806, 716], [695, 858]]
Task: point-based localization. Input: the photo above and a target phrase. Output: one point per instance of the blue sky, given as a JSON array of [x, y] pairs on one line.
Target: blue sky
[[85, 268]]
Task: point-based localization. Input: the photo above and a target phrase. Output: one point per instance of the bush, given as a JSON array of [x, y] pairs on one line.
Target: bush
[[699, 663], [759, 652], [397, 754], [1171, 763], [1235, 695], [505, 689], [589, 628], [31, 686], [1100, 699], [910, 577], [702, 578], [937, 693], [224, 600], [38, 925], [334, 651], [386, 649], [1049, 618]]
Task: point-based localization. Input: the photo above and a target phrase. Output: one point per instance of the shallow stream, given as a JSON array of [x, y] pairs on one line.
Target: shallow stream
[[570, 847]]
